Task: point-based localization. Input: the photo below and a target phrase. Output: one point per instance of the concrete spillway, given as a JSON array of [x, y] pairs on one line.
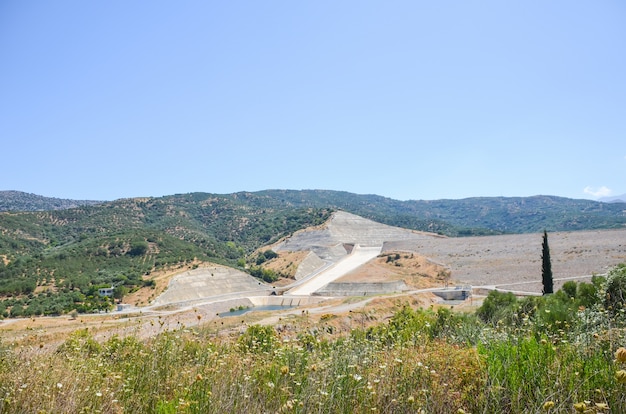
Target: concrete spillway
[[359, 256]]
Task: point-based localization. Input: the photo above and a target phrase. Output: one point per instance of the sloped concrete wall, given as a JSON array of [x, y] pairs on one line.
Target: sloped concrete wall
[[206, 282], [346, 228], [311, 263]]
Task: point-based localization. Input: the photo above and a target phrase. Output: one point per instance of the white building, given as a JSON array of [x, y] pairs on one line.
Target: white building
[[106, 291]]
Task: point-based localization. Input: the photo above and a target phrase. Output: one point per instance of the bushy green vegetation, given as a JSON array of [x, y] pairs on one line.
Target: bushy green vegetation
[[51, 261], [509, 357]]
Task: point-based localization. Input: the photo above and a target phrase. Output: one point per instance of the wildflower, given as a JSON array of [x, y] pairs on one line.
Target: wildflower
[[620, 354], [357, 377], [410, 399], [59, 385], [199, 377], [620, 376], [98, 394], [580, 407], [602, 406], [284, 370], [548, 405]]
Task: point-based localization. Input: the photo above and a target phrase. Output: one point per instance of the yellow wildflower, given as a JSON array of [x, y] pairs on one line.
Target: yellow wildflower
[[620, 376]]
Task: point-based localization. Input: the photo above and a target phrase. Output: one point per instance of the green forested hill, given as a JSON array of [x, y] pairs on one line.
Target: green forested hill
[[67, 254], [70, 253], [470, 216], [21, 201]]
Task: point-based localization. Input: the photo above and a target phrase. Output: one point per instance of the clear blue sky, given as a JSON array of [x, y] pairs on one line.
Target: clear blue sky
[[404, 99]]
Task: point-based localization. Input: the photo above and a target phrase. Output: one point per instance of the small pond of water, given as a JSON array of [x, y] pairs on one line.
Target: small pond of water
[[237, 312]]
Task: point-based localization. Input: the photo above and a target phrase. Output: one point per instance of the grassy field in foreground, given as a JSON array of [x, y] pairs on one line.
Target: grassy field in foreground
[[541, 355]]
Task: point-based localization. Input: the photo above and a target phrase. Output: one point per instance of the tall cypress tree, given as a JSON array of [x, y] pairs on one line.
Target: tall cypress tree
[[546, 266]]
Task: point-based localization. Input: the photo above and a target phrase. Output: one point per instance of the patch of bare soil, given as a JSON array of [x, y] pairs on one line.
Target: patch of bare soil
[[337, 317], [416, 271], [161, 279], [286, 264], [515, 260]]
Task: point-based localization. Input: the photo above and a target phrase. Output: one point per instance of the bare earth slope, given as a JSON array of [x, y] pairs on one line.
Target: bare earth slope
[[489, 260], [508, 262], [513, 259]]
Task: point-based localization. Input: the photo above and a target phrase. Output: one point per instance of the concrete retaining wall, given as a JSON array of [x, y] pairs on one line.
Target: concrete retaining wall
[[285, 300], [361, 289], [454, 293]]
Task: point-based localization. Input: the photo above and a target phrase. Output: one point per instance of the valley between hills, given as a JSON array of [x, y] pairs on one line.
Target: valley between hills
[[205, 293], [257, 303]]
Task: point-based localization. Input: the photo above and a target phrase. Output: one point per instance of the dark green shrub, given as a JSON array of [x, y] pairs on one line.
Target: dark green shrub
[[497, 306]]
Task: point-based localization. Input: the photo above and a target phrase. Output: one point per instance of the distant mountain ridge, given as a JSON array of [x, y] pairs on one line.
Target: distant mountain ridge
[[453, 217], [614, 199], [21, 201], [469, 216]]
